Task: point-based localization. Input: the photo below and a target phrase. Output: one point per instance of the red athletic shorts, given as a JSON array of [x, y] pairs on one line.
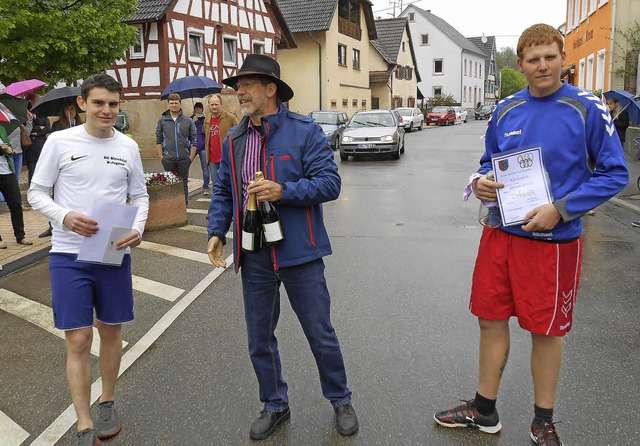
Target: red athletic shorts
[[535, 281]]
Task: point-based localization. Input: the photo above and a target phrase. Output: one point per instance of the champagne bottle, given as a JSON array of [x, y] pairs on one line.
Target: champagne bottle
[[251, 226], [270, 219]]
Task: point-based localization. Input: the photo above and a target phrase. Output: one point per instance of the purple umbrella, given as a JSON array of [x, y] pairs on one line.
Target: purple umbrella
[[22, 87]]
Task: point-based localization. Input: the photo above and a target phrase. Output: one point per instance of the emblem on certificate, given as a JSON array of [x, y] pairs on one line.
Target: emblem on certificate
[[526, 184]]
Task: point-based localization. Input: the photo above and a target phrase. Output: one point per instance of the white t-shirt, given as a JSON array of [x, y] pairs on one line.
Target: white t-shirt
[[83, 169]]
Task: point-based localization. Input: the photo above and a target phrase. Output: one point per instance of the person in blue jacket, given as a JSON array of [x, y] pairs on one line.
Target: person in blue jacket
[[300, 175], [532, 270]]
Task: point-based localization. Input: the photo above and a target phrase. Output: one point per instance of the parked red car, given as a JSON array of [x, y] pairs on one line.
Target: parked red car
[[442, 115]]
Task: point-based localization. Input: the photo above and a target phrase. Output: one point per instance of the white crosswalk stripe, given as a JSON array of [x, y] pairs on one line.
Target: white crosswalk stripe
[[10, 433], [39, 315], [176, 252], [204, 200], [194, 228], [158, 289], [198, 211]]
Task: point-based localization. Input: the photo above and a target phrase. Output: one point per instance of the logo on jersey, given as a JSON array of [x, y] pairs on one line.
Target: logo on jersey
[[514, 133], [76, 158]]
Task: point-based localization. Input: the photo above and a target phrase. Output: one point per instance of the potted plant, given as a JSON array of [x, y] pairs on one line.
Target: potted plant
[[167, 207]]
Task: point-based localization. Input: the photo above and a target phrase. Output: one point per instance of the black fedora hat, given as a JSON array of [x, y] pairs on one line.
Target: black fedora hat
[[259, 65]]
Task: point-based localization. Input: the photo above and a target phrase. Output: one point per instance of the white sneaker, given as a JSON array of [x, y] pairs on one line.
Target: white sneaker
[[205, 192]]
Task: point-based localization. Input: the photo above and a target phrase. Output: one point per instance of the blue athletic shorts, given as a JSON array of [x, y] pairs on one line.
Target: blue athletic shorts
[[78, 287]]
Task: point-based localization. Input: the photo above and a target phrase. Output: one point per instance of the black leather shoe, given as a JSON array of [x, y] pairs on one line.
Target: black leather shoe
[[346, 420], [45, 234], [267, 422]]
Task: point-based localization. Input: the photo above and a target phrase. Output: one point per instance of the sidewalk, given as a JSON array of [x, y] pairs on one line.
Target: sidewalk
[[16, 256]]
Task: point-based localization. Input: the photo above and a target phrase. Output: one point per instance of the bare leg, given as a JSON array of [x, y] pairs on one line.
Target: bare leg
[[79, 373], [494, 352], [546, 359], [110, 356]]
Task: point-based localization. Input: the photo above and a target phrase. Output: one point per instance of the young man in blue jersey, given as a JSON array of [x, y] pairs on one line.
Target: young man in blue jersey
[[532, 271]]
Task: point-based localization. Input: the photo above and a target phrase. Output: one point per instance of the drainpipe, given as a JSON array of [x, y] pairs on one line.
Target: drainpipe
[[611, 39], [319, 70]]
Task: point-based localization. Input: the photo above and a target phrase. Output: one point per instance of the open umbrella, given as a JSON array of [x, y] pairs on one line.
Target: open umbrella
[[8, 120], [192, 87], [627, 103], [17, 106], [51, 103], [22, 87]]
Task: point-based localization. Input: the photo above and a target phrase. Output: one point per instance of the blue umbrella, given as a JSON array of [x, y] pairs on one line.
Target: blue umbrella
[[192, 87], [627, 103]]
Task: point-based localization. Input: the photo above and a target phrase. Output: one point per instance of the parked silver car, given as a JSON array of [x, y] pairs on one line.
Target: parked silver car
[[373, 132], [461, 114], [332, 123], [412, 118]]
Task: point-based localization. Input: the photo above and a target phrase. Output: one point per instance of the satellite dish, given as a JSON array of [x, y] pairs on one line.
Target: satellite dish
[[483, 38]]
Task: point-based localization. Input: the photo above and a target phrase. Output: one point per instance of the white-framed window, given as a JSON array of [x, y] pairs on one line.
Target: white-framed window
[[576, 12], [465, 67], [464, 97], [408, 73], [476, 70], [581, 71], [258, 47], [230, 50], [437, 91], [412, 16], [570, 15], [438, 66], [196, 38], [136, 51], [424, 39], [600, 70], [602, 2], [342, 55], [593, 5], [356, 59], [589, 73], [584, 9]]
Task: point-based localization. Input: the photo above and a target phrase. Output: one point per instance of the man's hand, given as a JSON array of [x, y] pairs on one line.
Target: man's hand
[[80, 224], [542, 218], [214, 250], [266, 190], [485, 189], [131, 239]]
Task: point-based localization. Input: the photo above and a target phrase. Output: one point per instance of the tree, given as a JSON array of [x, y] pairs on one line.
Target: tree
[[62, 40], [628, 48], [507, 57], [512, 82]]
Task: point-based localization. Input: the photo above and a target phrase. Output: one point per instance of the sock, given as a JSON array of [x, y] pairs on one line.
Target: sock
[[484, 405], [542, 415]]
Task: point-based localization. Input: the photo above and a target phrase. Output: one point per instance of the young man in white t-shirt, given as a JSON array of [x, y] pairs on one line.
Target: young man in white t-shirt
[[86, 164]]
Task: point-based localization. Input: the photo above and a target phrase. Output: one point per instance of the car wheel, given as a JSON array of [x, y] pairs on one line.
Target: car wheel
[[402, 148], [420, 126], [465, 120], [396, 155], [344, 157]]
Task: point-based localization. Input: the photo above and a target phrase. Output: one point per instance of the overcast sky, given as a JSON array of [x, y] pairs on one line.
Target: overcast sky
[[505, 19]]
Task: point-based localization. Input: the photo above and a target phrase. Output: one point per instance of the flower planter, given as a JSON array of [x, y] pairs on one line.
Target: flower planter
[[167, 208]]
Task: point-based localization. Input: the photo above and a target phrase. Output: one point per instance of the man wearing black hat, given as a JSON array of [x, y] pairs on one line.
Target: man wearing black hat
[[300, 175]]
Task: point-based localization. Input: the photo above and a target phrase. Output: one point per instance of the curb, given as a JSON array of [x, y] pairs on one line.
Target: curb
[[625, 205], [25, 261]]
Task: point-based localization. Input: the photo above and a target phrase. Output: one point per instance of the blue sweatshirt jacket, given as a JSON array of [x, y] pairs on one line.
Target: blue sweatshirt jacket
[[296, 154], [580, 148]]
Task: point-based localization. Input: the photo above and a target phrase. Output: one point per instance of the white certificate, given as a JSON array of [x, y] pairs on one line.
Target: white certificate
[[114, 222], [525, 184]]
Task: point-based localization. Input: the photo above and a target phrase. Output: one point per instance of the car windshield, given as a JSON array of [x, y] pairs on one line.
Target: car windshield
[[485, 108], [325, 118], [440, 110], [404, 111], [371, 120]]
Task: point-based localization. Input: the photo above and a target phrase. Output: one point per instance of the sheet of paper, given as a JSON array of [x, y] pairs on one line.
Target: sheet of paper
[[525, 183], [113, 219]]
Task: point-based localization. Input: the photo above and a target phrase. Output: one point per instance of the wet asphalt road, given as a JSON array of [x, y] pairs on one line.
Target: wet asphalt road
[[404, 245]]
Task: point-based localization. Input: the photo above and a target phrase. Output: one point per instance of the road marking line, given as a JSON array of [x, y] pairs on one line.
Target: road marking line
[[40, 316], [65, 421], [176, 252], [194, 228], [158, 289], [10, 432], [198, 211], [204, 200]]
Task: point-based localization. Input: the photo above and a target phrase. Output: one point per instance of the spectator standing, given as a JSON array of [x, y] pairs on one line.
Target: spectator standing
[[620, 118], [176, 141], [122, 121], [292, 152], [198, 120], [217, 124], [78, 163], [39, 132], [532, 271], [15, 139], [10, 188]]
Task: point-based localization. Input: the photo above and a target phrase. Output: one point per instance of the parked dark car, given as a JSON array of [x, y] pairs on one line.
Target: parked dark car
[[483, 112], [373, 132], [441, 115], [332, 123]]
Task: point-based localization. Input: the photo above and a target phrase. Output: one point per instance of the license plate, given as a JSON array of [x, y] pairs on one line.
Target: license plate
[[434, 119], [366, 146]]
